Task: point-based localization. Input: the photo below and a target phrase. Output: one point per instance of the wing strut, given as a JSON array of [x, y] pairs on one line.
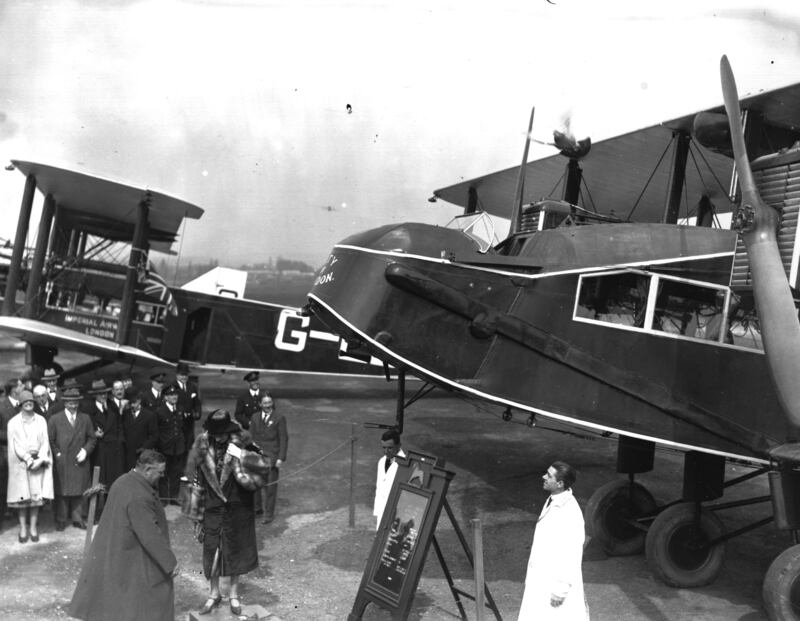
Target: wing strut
[[516, 212]]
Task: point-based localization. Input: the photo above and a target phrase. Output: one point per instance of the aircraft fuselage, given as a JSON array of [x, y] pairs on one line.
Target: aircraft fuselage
[[628, 328]]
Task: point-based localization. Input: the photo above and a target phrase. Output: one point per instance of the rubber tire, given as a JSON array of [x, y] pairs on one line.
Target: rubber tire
[[781, 587], [668, 535], [606, 513]]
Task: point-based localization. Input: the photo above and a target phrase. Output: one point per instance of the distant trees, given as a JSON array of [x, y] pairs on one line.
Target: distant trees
[[178, 273]]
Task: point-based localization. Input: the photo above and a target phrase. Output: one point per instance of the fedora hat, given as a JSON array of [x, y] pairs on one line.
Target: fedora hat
[[219, 422], [98, 387], [50, 375], [72, 394]]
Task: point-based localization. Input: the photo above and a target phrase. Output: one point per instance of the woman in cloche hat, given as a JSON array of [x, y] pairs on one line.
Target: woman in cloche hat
[[228, 518], [30, 476]]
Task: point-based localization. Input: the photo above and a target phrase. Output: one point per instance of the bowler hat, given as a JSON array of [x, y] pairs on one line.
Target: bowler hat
[[72, 394], [26, 395], [98, 387], [219, 422], [182, 368], [253, 376], [158, 377]]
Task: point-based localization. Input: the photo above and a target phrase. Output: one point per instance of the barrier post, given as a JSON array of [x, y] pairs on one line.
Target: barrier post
[[352, 518], [92, 509], [477, 532]]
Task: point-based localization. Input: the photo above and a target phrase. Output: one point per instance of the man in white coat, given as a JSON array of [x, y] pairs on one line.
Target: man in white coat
[[554, 582], [387, 468]]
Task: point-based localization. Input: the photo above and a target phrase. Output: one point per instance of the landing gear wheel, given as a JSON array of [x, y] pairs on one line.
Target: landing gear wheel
[[608, 516], [781, 589], [677, 546]]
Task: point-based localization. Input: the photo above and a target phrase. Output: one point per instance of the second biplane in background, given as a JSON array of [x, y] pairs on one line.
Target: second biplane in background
[[88, 285]]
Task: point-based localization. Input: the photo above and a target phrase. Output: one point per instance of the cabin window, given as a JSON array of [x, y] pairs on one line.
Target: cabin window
[[619, 298], [668, 305], [689, 310], [744, 329]]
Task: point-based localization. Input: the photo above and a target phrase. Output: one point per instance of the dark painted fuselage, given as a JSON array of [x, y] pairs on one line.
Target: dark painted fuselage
[[629, 328]]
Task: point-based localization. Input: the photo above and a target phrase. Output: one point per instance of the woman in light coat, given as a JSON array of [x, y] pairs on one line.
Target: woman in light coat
[[30, 474]]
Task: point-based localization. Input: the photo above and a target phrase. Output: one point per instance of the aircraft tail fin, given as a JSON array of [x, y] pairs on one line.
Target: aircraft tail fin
[[222, 281]]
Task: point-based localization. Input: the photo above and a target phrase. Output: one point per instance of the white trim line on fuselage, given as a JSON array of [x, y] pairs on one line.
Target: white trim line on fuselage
[[577, 270], [527, 408]]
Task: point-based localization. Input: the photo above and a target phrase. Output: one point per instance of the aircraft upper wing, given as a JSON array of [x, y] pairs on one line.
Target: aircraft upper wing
[[616, 170], [107, 208], [48, 335]]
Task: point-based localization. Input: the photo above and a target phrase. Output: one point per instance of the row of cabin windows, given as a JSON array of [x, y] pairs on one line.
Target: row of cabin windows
[[71, 300], [663, 304]]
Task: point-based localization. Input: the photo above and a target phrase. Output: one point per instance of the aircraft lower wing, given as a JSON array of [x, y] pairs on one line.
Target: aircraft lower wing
[[47, 335]]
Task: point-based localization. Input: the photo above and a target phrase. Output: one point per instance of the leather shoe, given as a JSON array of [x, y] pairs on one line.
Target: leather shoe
[[211, 603], [35, 538], [237, 607], [81, 525], [61, 525], [267, 520], [22, 539]]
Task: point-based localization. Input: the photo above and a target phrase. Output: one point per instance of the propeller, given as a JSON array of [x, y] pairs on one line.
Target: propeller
[[758, 223]]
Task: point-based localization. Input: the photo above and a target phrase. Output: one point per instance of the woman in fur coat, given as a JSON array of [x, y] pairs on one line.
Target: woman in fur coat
[[228, 517]]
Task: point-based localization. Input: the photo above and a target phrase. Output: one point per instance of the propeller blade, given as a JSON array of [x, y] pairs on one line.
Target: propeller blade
[[758, 224], [731, 97]]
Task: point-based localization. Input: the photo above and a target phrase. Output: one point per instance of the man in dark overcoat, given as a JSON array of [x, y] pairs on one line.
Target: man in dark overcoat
[[140, 426], [109, 453], [72, 440], [170, 444], [249, 402], [188, 403], [129, 571], [269, 432]]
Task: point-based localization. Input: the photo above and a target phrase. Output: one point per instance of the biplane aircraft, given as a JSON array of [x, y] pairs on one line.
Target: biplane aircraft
[[88, 286], [605, 309]]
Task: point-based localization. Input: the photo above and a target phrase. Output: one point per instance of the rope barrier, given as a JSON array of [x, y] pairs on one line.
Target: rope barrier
[[315, 462]]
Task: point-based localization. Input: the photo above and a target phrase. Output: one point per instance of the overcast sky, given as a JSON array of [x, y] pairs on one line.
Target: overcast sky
[[240, 107]]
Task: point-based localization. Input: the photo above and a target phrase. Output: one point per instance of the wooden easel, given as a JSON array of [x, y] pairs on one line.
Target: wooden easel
[[448, 576]]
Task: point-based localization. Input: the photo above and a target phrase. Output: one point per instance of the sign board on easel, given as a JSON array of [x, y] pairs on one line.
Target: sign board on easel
[[401, 544]]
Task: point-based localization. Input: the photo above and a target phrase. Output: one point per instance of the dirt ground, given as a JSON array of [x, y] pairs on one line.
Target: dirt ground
[[312, 561]]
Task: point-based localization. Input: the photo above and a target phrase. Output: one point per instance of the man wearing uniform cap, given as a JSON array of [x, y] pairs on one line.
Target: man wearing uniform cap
[[249, 402], [171, 443], [152, 397], [189, 404], [72, 440]]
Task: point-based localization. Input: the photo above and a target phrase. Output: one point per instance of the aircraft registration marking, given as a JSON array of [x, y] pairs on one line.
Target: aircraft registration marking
[[293, 334]]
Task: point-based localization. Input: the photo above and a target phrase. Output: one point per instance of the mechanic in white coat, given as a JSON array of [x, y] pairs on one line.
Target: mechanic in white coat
[[554, 582], [387, 468]]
